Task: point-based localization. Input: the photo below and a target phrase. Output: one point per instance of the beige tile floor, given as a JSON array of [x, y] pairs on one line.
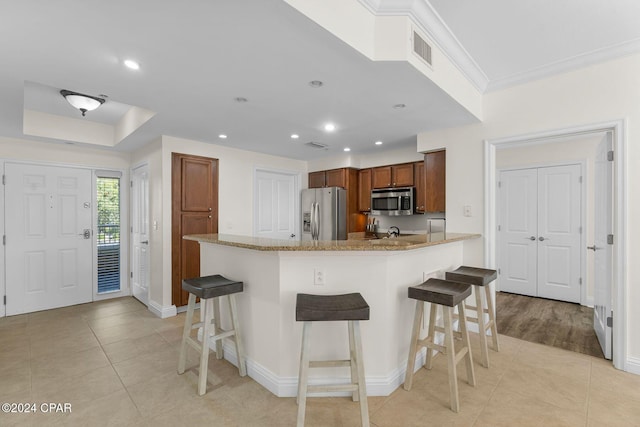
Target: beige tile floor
[[116, 364]]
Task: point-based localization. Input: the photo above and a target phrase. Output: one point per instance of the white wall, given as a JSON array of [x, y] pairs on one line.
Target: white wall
[[570, 150], [595, 94], [235, 194]]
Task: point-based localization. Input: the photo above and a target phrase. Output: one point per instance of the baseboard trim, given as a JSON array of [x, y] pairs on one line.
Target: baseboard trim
[[633, 365], [162, 311]]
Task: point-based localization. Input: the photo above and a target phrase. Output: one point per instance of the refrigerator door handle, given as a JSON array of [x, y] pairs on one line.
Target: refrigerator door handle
[[317, 221], [313, 221]]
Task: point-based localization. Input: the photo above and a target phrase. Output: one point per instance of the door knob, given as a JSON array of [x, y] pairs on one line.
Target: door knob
[[542, 239], [593, 248], [144, 242], [292, 235], [530, 238]]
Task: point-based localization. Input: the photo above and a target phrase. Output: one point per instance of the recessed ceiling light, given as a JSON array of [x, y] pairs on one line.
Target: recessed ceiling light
[[241, 99], [399, 106], [222, 136], [316, 83], [329, 127], [347, 149], [378, 142], [295, 136], [129, 63]]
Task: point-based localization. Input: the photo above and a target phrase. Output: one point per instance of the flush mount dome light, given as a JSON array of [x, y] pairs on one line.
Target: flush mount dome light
[[82, 102]]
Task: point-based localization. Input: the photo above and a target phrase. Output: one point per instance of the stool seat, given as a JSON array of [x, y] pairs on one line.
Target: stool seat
[[324, 308], [211, 286], [442, 292], [472, 275]]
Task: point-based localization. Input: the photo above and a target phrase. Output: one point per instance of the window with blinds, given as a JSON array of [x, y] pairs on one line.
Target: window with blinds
[[108, 235]]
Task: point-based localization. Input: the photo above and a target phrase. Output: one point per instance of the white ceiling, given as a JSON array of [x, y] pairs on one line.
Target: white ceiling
[[196, 57]]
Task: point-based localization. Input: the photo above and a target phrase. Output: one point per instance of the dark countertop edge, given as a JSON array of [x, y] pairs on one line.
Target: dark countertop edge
[[356, 247]]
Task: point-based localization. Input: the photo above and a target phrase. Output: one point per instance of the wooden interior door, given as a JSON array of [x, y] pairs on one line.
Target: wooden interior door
[[194, 200]]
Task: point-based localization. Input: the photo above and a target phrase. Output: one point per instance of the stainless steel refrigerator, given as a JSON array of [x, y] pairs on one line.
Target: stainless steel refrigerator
[[324, 214]]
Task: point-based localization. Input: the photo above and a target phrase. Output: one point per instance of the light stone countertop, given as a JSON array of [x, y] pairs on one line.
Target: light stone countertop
[[401, 243]]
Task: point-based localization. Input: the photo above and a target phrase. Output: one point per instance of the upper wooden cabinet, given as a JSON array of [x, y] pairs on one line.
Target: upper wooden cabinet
[[364, 190], [330, 178], [435, 179], [421, 186], [393, 176]]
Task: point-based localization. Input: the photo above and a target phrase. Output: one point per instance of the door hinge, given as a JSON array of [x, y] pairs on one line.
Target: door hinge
[[580, 180], [5, 300], [132, 274], [610, 321], [4, 179], [499, 272], [499, 184], [499, 228], [4, 239], [610, 156], [610, 239], [131, 182], [580, 281]]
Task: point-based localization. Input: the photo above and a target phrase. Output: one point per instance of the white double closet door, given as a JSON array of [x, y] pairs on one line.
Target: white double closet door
[[540, 229]]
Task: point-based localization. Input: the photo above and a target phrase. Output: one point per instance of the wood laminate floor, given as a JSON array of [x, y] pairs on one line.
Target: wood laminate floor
[[555, 323]]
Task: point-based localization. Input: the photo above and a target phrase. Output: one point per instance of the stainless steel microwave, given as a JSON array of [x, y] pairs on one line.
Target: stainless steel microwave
[[392, 201]]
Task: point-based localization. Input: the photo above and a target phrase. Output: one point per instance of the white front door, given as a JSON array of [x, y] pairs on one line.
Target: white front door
[[49, 248], [540, 232], [518, 231], [276, 205], [603, 250], [140, 234]]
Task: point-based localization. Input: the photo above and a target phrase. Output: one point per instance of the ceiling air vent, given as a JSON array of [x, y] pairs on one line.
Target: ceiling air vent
[[422, 48], [317, 145]]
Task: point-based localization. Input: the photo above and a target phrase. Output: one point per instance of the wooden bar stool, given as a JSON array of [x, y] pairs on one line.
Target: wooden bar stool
[[210, 289], [480, 278], [445, 294], [323, 308]]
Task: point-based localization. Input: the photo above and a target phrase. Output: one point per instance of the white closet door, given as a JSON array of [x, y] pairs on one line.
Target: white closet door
[[518, 231], [559, 223], [49, 247]]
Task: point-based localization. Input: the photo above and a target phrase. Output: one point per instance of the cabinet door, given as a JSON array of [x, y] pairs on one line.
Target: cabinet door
[[335, 178], [402, 175], [420, 186], [435, 168], [316, 179], [381, 177], [364, 190]]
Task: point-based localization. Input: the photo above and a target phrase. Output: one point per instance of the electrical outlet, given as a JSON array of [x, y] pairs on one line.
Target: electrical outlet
[[467, 210], [318, 277]]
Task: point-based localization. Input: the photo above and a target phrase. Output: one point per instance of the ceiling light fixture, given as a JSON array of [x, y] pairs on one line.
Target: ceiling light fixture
[[295, 136], [129, 63], [82, 102], [316, 83], [378, 142], [329, 127], [222, 136], [347, 149]]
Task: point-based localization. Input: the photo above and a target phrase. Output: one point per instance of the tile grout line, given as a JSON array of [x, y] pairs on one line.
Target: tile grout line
[[586, 421]]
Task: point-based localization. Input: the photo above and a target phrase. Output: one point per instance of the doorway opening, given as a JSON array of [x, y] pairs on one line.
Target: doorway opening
[[616, 284]]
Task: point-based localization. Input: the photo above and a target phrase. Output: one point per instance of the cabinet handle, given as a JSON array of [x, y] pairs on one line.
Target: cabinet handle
[[209, 216]]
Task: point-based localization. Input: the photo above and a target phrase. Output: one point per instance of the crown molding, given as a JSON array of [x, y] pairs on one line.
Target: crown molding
[[569, 64], [429, 22]]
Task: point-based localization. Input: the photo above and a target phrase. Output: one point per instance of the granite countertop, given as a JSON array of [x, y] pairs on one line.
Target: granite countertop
[[353, 244]]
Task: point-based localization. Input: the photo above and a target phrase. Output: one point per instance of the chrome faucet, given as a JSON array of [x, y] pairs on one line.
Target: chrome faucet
[[393, 231]]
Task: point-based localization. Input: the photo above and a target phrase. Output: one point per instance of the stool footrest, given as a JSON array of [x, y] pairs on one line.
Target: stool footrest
[[332, 387], [329, 363], [430, 344], [461, 354]]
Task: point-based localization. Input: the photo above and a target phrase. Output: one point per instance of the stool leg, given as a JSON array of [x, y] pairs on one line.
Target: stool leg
[[433, 314], [353, 360], [301, 399], [413, 348], [482, 329], [188, 322], [451, 358], [468, 358], [362, 387], [233, 310], [492, 318], [204, 355], [217, 327]]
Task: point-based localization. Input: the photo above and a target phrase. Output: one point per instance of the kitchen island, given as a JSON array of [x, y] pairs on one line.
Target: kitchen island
[[274, 271]]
